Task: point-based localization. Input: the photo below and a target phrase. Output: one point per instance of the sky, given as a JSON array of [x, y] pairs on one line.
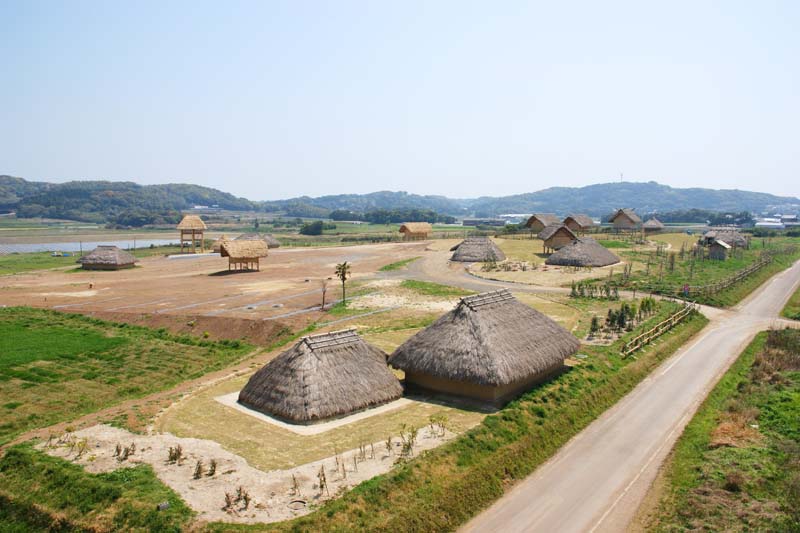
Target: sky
[[273, 99]]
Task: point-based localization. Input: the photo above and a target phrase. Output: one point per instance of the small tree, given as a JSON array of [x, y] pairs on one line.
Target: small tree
[[343, 272], [594, 327], [324, 288]]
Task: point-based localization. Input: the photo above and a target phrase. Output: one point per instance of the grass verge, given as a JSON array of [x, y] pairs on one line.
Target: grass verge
[[739, 291], [792, 309], [736, 467], [398, 265]]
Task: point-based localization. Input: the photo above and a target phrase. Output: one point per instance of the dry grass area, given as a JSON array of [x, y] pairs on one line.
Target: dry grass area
[[676, 240], [529, 250]]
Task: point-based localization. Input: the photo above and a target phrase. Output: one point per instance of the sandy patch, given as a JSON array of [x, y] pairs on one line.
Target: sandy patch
[[76, 294], [378, 300], [273, 495]]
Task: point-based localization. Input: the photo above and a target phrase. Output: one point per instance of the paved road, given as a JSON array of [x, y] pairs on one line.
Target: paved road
[[597, 480]]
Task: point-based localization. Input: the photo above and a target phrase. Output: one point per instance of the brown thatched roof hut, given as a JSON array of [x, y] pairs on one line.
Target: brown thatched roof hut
[[271, 241], [490, 347], [320, 377], [556, 237], [625, 219], [718, 250], [584, 252], [192, 229], [579, 223], [653, 225], [215, 247], [415, 231], [243, 255], [107, 258], [538, 221], [731, 236], [477, 250]]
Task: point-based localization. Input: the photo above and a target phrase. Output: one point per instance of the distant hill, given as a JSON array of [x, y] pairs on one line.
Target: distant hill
[[132, 204]]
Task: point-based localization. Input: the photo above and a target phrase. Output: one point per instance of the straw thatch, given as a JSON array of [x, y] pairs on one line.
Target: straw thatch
[[584, 252], [217, 245], [415, 230], [625, 218], [653, 224], [579, 222], [490, 346], [271, 241], [243, 249], [539, 221], [107, 258], [320, 377], [550, 231], [477, 250], [731, 236], [191, 222]]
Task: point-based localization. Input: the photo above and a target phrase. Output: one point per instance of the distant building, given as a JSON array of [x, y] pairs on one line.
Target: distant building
[[556, 237], [483, 222], [718, 250], [579, 223], [415, 231], [538, 221], [653, 225], [625, 219]]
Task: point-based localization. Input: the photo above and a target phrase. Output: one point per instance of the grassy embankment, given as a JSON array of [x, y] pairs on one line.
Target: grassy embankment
[[792, 309], [397, 265], [57, 366], [737, 465]]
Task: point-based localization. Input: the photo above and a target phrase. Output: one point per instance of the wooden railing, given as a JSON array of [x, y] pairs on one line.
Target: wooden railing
[[659, 329], [736, 277]]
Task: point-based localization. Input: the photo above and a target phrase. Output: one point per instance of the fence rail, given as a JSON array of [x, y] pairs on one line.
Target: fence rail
[[643, 339]]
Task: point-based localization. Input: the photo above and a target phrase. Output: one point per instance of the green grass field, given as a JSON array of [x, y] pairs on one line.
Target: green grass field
[[398, 265], [55, 367], [792, 308], [736, 467], [428, 288]]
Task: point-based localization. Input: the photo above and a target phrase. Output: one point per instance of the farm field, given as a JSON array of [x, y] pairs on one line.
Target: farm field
[[736, 466]]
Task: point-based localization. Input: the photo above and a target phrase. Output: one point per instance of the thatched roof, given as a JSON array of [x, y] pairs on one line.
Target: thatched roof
[[243, 249], [547, 219], [477, 249], [584, 252], [630, 213], [415, 227], [653, 223], [584, 221], [721, 244], [271, 241], [731, 236], [191, 222], [549, 231], [109, 256], [488, 339], [218, 244], [322, 376]]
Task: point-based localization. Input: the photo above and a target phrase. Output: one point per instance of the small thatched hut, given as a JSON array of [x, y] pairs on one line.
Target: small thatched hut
[[731, 236], [415, 231], [491, 347], [477, 250], [243, 255], [192, 228], [579, 223], [215, 247], [625, 219], [271, 241], [538, 221], [107, 258], [718, 250], [584, 252], [321, 377], [556, 237], [653, 225]]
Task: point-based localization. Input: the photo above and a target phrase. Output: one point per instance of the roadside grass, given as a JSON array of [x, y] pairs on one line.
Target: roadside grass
[[792, 309], [398, 265], [57, 366], [43, 493], [739, 291], [428, 288], [445, 487], [736, 467]]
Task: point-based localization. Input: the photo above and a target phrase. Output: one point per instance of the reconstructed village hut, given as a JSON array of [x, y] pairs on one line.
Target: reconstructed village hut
[[625, 219], [491, 347], [579, 223], [718, 250], [653, 225], [321, 377], [415, 231], [271, 241], [215, 247], [584, 252], [243, 255], [731, 236], [556, 237], [107, 258], [538, 221], [192, 228], [477, 250]]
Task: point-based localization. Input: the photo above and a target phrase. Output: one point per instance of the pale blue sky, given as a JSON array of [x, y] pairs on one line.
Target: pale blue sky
[[274, 99]]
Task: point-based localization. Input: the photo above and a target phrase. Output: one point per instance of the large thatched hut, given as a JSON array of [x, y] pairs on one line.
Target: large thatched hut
[[415, 231], [653, 225], [583, 252], [491, 347], [271, 241], [243, 255], [107, 258], [579, 223], [192, 229], [477, 250], [731, 236], [625, 219], [321, 377], [538, 221], [556, 237]]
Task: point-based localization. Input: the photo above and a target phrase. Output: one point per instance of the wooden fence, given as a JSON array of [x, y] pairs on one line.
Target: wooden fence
[[736, 277], [659, 329]]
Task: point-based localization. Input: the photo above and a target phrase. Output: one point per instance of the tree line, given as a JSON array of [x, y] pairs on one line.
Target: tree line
[[393, 216]]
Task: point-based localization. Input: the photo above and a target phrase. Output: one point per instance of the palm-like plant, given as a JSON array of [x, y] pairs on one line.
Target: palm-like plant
[[343, 272]]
